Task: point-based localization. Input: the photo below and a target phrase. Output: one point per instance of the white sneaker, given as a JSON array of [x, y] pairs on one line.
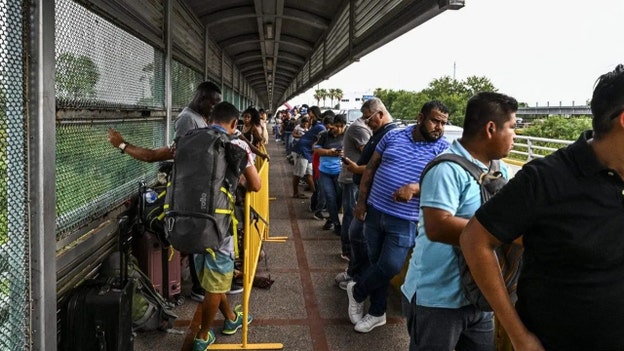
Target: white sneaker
[[342, 277], [356, 309], [343, 285], [369, 323]]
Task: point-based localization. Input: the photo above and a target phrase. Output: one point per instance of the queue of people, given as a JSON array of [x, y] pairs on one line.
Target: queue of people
[[565, 209]]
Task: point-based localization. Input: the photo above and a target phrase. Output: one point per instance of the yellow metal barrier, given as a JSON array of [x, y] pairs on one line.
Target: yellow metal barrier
[[256, 227]]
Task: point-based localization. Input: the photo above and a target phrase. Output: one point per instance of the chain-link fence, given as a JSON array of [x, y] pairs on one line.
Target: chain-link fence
[[14, 308], [101, 67], [105, 77]]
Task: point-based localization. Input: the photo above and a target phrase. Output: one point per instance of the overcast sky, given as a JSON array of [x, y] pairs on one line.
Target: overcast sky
[[538, 51]]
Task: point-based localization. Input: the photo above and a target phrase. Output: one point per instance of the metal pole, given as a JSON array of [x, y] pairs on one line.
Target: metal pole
[[42, 174], [168, 59]]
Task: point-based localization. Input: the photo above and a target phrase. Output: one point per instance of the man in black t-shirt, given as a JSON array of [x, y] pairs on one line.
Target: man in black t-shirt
[[569, 209]]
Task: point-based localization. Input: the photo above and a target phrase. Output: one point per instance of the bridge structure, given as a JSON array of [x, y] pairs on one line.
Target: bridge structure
[[70, 69], [582, 110]]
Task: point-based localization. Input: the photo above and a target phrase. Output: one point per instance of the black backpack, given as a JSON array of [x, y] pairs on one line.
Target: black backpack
[[201, 192], [150, 311], [509, 255], [151, 203]]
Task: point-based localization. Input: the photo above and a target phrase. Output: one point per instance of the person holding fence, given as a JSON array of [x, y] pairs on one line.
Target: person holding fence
[[195, 115], [216, 269], [439, 315], [568, 208]]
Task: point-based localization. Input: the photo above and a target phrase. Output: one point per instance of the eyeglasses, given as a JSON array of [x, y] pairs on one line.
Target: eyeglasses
[[366, 119]]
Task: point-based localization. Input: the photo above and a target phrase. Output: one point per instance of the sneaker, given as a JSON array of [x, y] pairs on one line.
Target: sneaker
[[318, 216], [342, 277], [328, 225], [197, 296], [201, 344], [235, 289], [356, 309], [343, 285], [369, 323], [230, 327]]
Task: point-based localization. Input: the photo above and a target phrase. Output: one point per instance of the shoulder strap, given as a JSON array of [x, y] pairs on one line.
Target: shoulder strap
[[474, 170]]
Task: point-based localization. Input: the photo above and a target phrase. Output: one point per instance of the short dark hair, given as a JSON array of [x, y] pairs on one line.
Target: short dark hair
[[485, 107], [607, 100], [202, 95], [316, 111], [327, 113], [433, 105], [340, 119], [224, 112]]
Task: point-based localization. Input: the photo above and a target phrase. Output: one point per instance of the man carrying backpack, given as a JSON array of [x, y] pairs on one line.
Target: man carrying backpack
[[215, 268], [569, 211], [439, 314], [195, 115]]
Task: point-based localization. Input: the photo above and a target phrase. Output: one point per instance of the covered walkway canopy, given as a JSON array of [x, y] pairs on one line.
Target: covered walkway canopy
[[70, 69], [275, 49]]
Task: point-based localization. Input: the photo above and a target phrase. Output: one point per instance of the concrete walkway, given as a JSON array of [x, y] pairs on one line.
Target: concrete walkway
[[304, 309]]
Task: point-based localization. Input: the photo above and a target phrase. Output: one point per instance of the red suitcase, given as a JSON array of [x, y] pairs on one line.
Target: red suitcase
[[157, 263]]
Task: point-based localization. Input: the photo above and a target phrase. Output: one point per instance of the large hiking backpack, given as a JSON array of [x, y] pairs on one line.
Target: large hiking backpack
[[199, 205], [509, 255]]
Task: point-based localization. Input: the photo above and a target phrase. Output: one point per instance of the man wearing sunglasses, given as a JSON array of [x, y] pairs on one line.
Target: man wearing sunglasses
[[388, 202]]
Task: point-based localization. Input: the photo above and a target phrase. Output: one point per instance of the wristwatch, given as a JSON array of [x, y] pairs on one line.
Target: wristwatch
[[122, 146]]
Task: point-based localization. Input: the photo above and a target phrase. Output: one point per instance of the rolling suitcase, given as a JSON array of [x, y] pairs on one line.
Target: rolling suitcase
[[98, 314], [160, 264]]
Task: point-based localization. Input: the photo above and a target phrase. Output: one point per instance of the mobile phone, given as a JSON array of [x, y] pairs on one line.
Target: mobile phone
[[344, 159]]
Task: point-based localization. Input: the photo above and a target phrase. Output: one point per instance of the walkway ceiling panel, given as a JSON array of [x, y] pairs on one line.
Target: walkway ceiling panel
[[284, 47], [146, 18], [187, 37]]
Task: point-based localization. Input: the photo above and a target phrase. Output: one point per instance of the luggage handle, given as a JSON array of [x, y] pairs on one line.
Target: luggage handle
[[125, 242]]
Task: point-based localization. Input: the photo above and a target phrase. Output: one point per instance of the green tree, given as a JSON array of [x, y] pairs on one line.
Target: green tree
[[76, 77], [339, 94], [331, 94], [318, 96], [558, 127], [388, 96], [323, 95]]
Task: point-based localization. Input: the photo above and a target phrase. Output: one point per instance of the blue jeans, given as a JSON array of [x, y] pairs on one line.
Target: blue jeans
[[389, 240], [359, 261], [447, 329], [349, 195], [288, 139], [332, 193]]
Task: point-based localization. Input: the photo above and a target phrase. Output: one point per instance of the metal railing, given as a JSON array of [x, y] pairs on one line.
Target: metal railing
[[527, 148]]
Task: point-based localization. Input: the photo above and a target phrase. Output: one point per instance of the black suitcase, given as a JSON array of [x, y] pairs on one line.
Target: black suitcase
[[98, 314]]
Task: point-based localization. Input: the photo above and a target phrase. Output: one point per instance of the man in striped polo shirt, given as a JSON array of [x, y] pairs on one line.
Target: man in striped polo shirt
[[388, 203]]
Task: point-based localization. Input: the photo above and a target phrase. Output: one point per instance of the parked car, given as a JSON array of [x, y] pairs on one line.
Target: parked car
[[352, 114], [452, 132]]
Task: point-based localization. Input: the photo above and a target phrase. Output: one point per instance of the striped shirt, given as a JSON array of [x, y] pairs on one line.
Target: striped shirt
[[402, 162]]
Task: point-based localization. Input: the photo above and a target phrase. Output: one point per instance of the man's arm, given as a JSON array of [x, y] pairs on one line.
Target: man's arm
[[254, 149], [365, 184], [140, 153], [442, 226], [406, 192], [252, 179], [477, 245]]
